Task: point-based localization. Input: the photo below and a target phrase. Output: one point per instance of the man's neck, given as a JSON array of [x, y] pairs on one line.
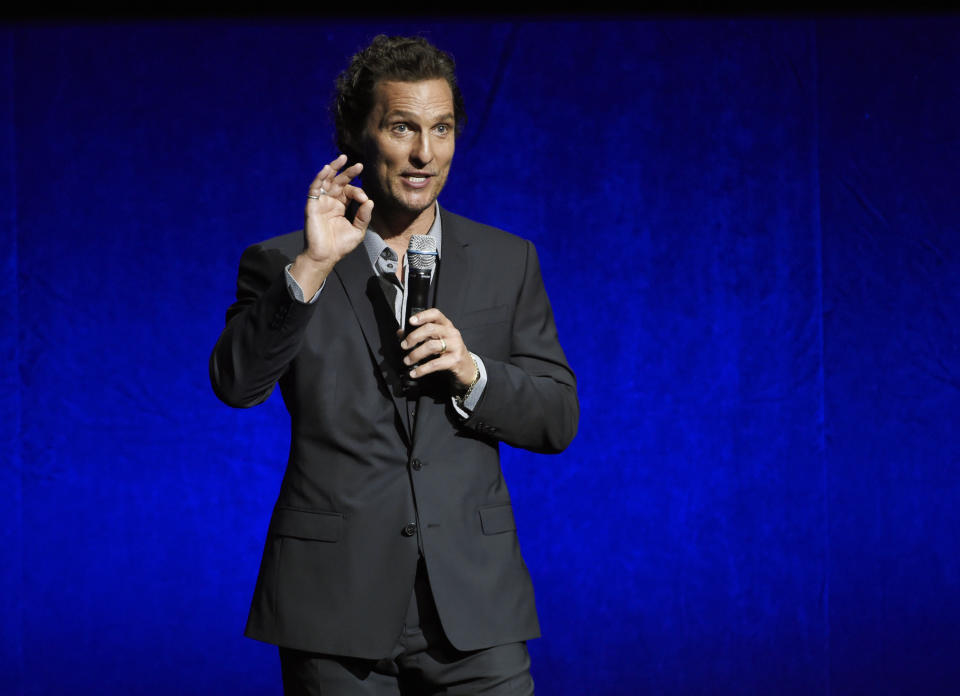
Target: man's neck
[[397, 229]]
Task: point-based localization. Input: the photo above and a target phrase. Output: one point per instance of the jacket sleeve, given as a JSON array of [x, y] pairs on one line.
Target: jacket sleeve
[[530, 400], [264, 331]]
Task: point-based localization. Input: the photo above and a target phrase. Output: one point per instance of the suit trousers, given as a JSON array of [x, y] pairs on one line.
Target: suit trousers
[[423, 662]]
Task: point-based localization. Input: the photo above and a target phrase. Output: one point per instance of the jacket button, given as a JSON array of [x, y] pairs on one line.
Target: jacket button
[[409, 530], [417, 465]]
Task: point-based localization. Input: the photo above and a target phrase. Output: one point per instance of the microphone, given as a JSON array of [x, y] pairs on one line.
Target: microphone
[[421, 260]]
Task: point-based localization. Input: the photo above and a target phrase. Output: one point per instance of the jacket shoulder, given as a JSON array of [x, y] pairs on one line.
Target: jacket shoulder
[[289, 244], [473, 233], [272, 254]]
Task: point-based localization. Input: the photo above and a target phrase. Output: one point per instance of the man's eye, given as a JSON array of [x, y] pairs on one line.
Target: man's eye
[[442, 128], [400, 128]]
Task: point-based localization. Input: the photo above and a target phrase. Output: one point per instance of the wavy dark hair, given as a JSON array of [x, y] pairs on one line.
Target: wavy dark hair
[[394, 58]]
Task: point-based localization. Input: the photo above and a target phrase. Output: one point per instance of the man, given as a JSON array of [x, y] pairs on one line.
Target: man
[[391, 563]]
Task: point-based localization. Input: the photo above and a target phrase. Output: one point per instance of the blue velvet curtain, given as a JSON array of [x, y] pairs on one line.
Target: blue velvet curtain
[[749, 231]]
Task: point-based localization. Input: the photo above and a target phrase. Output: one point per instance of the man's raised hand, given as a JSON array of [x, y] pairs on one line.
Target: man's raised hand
[[328, 235]]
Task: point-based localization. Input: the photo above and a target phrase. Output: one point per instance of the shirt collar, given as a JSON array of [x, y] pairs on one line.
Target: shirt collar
[[375, 245]]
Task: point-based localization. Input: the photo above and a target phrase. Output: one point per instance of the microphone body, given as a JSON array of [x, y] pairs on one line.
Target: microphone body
[[421, 261], [418, 294]]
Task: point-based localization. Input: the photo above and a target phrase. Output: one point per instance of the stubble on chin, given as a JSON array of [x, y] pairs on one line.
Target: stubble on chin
[[396, 203], [392, 214]]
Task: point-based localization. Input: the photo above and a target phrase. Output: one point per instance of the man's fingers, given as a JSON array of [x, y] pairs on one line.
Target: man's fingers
[[328, 171], [355, 193], [420, 334], [331, 182], [364, 213], [431, 348], [433, 341], [435, 345], [362, 217], [324, 204], [337, 184], [431, 315], [335, 165], [348, 174], [320, 177], [438, 363]]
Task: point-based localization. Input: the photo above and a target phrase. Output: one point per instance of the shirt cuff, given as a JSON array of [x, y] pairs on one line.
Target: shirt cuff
[[293, 287], [465, 404]]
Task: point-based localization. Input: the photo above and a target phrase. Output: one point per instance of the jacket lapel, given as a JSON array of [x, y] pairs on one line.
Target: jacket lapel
[[377, 324], [454, 276], [451, 283]]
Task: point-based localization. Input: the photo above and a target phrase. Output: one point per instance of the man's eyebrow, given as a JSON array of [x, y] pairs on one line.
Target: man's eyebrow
[[401, 113]]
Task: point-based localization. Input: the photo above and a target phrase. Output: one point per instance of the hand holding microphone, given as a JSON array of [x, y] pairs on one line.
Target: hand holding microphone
[[433, 342]]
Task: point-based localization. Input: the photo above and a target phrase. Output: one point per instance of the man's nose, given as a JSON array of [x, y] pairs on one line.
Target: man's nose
[[422, 150]]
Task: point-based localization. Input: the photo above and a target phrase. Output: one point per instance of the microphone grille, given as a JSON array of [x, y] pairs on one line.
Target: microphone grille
[[422, 252]]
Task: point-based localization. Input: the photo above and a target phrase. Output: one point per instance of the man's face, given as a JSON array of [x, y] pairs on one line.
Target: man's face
[[408, 145]]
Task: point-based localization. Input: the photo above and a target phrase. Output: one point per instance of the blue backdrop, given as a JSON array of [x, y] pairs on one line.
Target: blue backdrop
[[749, 231]]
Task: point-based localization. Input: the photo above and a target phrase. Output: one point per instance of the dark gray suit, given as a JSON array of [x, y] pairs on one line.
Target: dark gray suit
[[362, 488]]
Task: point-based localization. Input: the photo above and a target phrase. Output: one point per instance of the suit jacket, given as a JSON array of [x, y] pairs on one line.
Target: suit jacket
[[362, 487]]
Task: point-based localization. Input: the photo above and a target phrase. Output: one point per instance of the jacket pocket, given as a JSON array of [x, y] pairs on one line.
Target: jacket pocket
[[484, 317], [306, 524], [497, 519]]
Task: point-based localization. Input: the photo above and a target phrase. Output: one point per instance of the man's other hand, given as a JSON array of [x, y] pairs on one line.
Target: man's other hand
[[438, 343]]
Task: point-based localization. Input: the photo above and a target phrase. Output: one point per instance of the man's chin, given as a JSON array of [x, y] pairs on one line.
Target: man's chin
[[413, 206], [403, 208]]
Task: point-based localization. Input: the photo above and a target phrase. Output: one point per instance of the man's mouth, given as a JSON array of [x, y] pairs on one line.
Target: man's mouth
[[416, 181]]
